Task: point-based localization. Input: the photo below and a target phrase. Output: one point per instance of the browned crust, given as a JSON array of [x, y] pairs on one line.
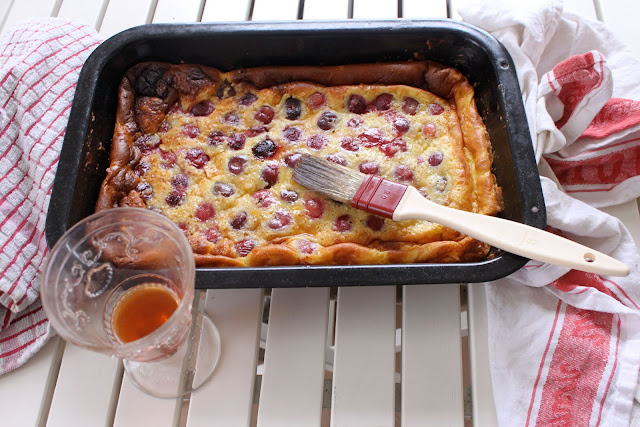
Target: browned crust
[[148, 89]]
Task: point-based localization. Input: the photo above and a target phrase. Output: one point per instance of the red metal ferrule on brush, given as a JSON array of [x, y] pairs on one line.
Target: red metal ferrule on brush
[[378, 196]]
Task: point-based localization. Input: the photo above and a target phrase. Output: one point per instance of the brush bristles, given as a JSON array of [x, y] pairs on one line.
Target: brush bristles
[[329, 179]]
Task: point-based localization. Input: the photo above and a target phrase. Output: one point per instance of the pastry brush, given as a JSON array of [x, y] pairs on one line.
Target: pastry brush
[[399, 202]]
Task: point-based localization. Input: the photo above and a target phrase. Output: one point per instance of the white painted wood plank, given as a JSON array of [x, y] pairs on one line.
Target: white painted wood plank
[[184, 11], [22, 9], [293, 378], [584, 8], [221, 10], [325, 9], [123, 14], [375, 9], [484, 410], [88, 12], [87, 389], [25, 393], [416, 9], [5, 6], [621, 18], [275, 10], [226, 400], [364, 364], [136, 408], [432, 356]]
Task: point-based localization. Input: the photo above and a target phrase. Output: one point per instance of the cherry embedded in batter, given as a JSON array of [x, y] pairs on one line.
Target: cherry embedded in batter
[[401, 125], [243, 247], [441, 184], [370, 168], [436, 109], [248, 99], [349, 144], [264, 114], [231, 118], [222, 189], [410, 106], [147, 143], [270, 174], [327, 120], [169, 159], [203, 108], [180, 181], [292, 133], [343, 223], [205, 212], [317, 142], [191, 130], [237, 164], [403, 173], [236, 141], [354, 122], [254, 131], [430, 130], [356, 104], [216, 137], [314, 207], [382, 102], [280, 220], [374, 222], [292, 108], [264, 149], [145, 190], [212, 234], [306, 246], [197, 157], [239, 220], [435, 159], [175, 198], [316, 100], [142, 168], [371, 137], [292, 159], [264, 198]]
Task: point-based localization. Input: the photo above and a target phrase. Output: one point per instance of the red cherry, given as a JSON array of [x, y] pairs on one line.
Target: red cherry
[[264, 198], [316, 100], [197, 157], [436, 109], [314, 207], [429, 130], [270, 174], [382, 102], [343, 223], [316, 142], [264, 114], [203, 108], [280, 219], [403, 173], [239, 220], [370, 168], [191, 130], [375, 222], [410, 106], [205, 212], [435, 159], [243, 247]]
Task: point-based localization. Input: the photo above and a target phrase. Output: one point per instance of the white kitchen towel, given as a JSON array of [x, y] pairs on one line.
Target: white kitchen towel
[[565, 345], [40, 61]]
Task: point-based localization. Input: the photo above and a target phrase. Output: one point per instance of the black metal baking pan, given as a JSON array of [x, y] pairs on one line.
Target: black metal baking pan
[[85, 152]]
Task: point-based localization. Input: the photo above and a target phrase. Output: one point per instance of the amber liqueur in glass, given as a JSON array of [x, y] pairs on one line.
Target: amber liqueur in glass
[[141, 310]]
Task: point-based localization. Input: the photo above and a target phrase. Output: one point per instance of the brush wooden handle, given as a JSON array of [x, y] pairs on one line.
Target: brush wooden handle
[[514, 237]]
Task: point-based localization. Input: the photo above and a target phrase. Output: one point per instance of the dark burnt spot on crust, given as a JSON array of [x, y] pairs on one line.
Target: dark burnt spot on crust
[[150, 81]]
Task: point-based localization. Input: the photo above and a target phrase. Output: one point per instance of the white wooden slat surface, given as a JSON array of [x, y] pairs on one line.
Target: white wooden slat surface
[[484, 411], [382, 9], [293, 378], [424, 9], [88, 12], [123, 14], [227, 399], [364, 363], [136, 408], [25, 393], [87, 387], [5, 7], [431, 354], [188, 11], [275, 10], [28, 9], [222, 10], [325, 9]]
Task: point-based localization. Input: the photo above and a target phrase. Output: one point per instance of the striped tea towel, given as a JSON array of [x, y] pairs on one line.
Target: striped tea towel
[[40, 61], [564, 344]]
